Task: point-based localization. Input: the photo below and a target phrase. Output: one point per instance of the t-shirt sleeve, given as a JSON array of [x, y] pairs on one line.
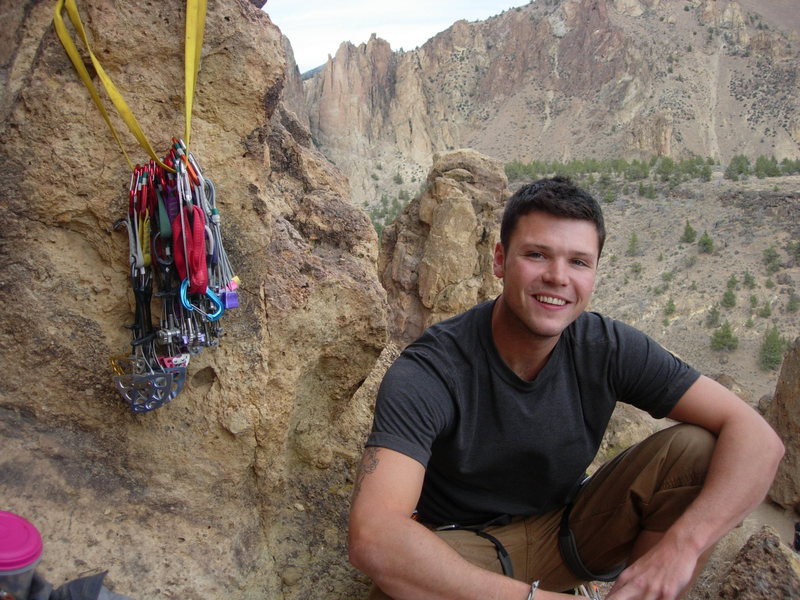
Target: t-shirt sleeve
[[413, 407], [649, 376]]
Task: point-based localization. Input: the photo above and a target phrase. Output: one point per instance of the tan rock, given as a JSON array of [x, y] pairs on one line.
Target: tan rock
[[196, 498], [783, 413], [436, 257], [764, 569]]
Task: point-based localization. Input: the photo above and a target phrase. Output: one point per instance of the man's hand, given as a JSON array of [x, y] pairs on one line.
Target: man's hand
[[662, 573]]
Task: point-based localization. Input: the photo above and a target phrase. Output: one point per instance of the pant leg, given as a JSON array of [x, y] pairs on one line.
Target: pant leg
[[646, 487]]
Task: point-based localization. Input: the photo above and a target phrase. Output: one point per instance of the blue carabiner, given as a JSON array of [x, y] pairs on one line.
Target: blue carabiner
[[191, 307], [220, 307]]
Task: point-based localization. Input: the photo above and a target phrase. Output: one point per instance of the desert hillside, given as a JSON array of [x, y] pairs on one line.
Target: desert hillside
[[562, 79]]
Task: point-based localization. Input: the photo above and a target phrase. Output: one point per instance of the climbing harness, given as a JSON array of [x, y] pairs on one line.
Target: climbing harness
[[177, 260]]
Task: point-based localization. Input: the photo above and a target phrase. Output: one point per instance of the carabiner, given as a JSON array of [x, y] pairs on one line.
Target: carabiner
[[191, 307]]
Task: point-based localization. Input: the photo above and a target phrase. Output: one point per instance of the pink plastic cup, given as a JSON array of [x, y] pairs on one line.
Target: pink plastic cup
[[20, 552]]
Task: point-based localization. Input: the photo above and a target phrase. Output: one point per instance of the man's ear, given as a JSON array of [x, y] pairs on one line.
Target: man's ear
[[498, 264]]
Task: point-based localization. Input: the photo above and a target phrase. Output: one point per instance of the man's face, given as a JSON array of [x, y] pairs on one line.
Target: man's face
[[548, 271]]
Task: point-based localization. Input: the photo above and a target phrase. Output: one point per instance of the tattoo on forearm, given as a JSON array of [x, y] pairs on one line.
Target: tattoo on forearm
[[369, 463]]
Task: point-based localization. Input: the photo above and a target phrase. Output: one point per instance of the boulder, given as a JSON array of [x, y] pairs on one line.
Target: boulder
[[764, 569], [436, 258], [783, 413]]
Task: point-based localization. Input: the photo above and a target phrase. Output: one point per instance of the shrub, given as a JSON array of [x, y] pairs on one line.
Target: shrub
[[766, 310], [669, 309], [729, 299], [633, 245], [749, 281], [794, 303], [723, 338], [739, 165], [706, 243], [712, 318], [772, 259], [689, 234], [771, 353]]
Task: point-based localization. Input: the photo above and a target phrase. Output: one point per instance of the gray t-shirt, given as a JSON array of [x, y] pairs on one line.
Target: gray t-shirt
[[494, 444]]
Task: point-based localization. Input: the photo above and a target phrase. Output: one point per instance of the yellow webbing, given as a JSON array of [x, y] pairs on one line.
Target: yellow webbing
[[195, 23]]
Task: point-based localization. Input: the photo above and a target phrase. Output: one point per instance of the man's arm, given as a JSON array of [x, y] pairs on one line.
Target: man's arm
[[403, 557], [742, 468]]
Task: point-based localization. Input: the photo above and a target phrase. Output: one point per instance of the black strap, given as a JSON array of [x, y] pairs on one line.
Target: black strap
[[572, 558], [502, 553]]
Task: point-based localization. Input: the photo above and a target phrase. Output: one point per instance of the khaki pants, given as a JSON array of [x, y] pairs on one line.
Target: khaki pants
[[646, 487]]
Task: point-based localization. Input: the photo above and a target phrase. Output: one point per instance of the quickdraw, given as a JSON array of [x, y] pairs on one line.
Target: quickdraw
[[174, 241]]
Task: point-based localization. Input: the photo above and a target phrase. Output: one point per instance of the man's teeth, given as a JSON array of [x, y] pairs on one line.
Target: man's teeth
[[551, 300]]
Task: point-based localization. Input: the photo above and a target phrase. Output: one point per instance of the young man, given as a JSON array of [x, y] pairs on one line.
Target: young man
[[488, 422]]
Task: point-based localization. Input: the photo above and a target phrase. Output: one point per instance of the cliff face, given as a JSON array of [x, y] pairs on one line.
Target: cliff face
[[241, 482], [560, 80]]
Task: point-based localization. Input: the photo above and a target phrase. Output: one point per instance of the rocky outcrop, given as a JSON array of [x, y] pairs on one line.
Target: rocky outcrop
[[562, 80], [764, 569], [436, 258], [784, 416], [241, 482]]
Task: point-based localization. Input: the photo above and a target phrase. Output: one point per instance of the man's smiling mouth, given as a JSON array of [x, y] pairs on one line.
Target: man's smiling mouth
[[551, 300]]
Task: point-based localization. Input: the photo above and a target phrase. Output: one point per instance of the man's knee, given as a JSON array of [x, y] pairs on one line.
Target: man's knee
[[685, 457], [688, 450]]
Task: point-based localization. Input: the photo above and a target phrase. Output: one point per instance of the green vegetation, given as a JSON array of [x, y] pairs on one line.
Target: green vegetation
[[724, 339], [633, 245], [689, 234], [659, 169], [712, 318], [706, 243], [729, 299], [793, 305], [772, 348], [772, 260]]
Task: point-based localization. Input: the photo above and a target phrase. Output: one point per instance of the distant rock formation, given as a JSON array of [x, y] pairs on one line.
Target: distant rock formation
[[436, 258], [562, 80], [784, 416]]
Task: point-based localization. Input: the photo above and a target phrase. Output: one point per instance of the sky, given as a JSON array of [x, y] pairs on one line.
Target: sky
[[317, 27]]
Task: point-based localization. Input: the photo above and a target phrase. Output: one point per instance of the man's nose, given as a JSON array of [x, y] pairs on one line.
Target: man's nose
[[556, 273]]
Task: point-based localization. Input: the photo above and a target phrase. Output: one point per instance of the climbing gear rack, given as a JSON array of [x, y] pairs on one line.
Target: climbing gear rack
[[175, 246], [177, 260]]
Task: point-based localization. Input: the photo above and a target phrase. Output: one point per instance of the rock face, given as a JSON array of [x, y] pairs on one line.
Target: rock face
[[436, 258], [764, 569], [562, 80], [784, 416], [241, 482]]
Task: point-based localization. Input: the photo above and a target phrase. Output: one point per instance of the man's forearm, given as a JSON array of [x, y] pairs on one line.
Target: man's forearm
[[742, 468], [406, 560], [411, 562]]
